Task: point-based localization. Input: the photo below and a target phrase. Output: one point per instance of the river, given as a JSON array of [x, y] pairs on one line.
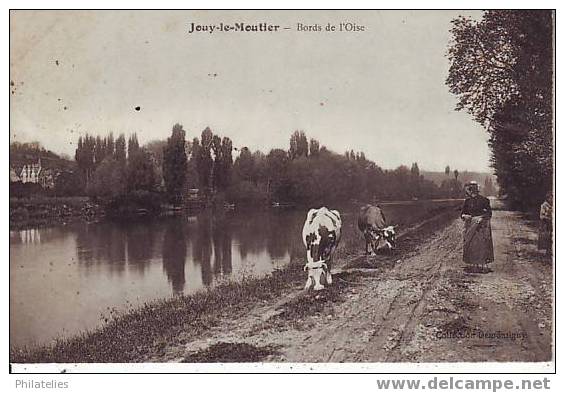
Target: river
[[68, 278]]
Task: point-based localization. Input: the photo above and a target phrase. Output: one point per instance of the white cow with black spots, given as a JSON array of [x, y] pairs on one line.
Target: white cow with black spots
[[321, 234]]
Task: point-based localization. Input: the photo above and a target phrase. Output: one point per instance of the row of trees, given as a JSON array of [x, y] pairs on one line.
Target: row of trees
[[502, 72], [306, 173], [118, 172], [122, 174], [109, 167]]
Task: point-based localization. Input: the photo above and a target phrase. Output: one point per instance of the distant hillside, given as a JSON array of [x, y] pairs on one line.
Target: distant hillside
[[29, 153], [464, 177]]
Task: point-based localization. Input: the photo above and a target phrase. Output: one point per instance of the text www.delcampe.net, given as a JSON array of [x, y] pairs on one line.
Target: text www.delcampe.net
[[453, 383]]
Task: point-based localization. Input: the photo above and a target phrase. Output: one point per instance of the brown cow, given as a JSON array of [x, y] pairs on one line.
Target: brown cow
[[372, 223]]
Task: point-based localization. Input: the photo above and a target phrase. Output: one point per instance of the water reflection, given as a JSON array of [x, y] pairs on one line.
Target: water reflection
[[174, 254], [103, 243], [141, 242], [87, 269], [30, 236], [222, 239], [202, 248]]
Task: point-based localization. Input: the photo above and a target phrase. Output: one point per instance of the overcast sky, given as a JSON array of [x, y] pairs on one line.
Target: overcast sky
[[380, 91]]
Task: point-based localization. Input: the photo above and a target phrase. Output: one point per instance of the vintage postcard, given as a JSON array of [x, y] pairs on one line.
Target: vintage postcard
[[281, 191]]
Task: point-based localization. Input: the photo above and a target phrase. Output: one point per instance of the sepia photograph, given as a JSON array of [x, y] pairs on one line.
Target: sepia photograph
[[257, 190]]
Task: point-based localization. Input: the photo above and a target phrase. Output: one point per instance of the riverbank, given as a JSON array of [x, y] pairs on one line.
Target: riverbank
[[40, 211], [43, 211], [148, 332]]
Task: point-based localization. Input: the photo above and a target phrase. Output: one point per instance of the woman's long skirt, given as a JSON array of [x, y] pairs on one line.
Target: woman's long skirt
[[477, 242]]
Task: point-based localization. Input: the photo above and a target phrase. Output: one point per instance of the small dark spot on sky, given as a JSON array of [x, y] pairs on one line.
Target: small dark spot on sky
[[321, 104], [57, 62], [65, 108], [138, 108], [58, 99], [12, 83], [147, 42], [13, 92]]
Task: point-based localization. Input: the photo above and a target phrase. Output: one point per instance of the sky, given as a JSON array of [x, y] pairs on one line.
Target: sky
[[381, 90]]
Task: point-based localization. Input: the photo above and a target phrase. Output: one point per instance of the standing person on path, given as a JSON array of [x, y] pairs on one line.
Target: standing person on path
[[546, 225], [477, 236]]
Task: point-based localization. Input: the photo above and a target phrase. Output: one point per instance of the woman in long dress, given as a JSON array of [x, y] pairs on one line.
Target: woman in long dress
[[546, 225], [477, 236]]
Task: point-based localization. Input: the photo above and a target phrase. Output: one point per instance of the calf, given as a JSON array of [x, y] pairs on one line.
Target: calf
[[321, 234], [372, 223]]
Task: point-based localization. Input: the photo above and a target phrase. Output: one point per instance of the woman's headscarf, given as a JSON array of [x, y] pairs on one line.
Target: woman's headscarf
[[471, 188]]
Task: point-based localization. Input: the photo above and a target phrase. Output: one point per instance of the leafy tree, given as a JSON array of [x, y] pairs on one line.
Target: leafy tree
[[68, 183], [225, 163], [141, 173], [133, 145], [175, 164], [415, 171], [155, 149], [244, 165], [298, 145], [99, 150], [108, 180], [247, 193], [192, 170], [502, 72], [120, 149], [85, 157], [314, 147], [202, 153], [110, 145], [277, 166]]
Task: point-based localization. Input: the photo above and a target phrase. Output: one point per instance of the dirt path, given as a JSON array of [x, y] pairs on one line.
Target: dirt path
[[421, 307]]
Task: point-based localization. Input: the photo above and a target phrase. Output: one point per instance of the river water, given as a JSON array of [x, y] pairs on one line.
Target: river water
[[66, 279]]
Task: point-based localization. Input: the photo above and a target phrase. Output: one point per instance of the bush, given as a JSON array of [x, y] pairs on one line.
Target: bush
[[247, 193], [134, 203], [68, 184]]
